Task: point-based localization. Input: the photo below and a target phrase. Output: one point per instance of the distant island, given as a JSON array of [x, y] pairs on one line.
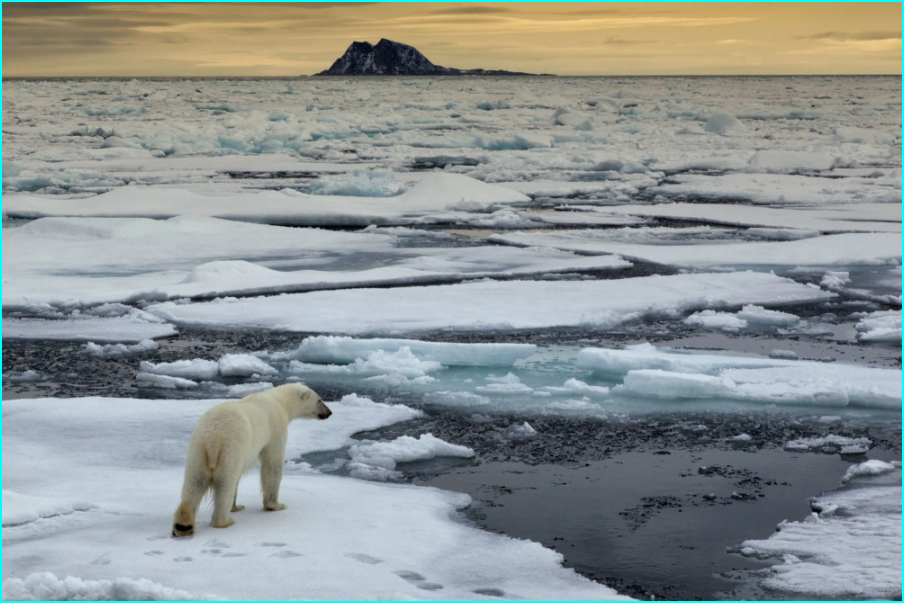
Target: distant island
[[394, 58]]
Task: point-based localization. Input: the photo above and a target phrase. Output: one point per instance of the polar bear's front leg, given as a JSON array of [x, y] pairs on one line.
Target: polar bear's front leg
[[235, 505], [272, 459]]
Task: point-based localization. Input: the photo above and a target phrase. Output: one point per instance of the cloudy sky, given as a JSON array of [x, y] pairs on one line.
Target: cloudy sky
[[287, 39]]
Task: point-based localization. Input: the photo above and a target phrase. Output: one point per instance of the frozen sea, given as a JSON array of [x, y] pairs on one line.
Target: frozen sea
[[584, 338]]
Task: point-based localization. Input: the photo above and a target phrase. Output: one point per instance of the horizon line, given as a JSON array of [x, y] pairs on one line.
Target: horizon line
[[286, 77]]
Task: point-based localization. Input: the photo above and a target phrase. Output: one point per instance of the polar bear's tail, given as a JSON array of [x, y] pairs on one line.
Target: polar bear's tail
[[200, 467], [212, 453]]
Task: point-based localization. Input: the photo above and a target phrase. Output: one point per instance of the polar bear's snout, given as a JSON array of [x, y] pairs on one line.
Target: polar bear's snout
[[323, 412]]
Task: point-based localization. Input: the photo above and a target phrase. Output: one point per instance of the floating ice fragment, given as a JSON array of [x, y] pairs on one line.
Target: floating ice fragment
[[881, 326], [330, 349], [377, 460], [760, 316], [118, 350], [520, 432], [724, 124], [196, 368], [711, 319], [868, 468], [575, 386], [830, 443], [509, 385], [164, 381], [243, 365]]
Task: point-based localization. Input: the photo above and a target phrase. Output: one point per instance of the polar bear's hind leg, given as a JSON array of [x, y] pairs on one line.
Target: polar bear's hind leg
[[193, 491], [225, 486]]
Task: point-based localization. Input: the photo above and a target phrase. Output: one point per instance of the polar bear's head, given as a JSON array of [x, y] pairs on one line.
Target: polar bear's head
[[301, 401]]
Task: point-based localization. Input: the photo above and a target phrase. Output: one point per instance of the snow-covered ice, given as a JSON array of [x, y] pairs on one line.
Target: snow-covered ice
[[849, 547], [83, 261], [116, 350], [492, 304], [19, 509], [842, 249], [437, 193], [672, 375], [125, 328], [330, 349], [882, 326], [326, 545], [377, 460]]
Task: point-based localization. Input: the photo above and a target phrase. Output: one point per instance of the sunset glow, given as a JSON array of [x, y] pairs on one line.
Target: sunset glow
[[276, 39]]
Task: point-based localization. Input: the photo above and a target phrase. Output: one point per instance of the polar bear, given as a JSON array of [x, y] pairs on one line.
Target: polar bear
[[226, 442]]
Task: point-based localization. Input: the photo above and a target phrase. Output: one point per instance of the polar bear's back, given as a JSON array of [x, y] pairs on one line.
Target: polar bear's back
[[234, 432]]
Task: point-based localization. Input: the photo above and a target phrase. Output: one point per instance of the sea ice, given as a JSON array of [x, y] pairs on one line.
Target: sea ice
[[369, 458], [83, 261], [710, 319], [87, 328], [118, 350], [331, 349], [830, 443], [881, 326], [436, 193], [492, 305], [243, 365], [671, 375], [19, 509], [45, 586], [328, 544], [851, 548], [187, 369], [866, 217], [842, 249], [869, 468]]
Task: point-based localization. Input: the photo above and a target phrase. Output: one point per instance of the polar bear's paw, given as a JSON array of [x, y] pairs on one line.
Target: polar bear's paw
[[183, 521], [274, 506], [223, 524]]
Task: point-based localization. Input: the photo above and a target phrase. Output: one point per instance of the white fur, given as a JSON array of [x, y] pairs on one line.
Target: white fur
[[227, 441]]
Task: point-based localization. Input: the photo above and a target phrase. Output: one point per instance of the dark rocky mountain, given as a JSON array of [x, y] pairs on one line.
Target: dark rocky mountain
[[393, 58]]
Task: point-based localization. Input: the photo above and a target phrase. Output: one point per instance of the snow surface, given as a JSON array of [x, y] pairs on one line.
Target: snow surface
[[882, 326], [671, 375], [377, 460], [19, 509], [118, 350], [436, 193], [849, 548], [83, 261], [125, 328], [404, 543], [492, 305], [331, 349], [843, 249], [830, 443], [866, 217]]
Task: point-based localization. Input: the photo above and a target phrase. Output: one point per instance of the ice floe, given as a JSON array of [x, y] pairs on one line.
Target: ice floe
[[882, 326], [377, 460], [327, 543], [83, 261], [843, 249], [849, 547], [671, 375], [437, 193], [492, 305]]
